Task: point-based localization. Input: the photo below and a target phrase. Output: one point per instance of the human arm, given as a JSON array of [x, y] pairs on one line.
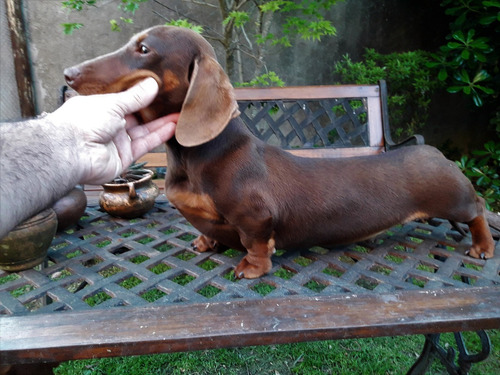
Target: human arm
[[90, 139]]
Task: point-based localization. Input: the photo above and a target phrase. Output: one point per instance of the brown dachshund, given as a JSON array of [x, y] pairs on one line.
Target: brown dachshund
[[245, 194]]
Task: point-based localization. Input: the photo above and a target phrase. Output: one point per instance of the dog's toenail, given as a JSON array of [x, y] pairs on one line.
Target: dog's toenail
[[240, 275], [467, 252], [483, 256]]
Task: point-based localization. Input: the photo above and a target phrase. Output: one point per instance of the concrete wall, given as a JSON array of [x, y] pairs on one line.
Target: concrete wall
[[385, 25], [360, 24], [9, 100]]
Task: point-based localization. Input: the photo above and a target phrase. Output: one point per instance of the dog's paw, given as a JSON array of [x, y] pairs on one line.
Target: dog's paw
[[247, 270], [203, 243], [480, 253]]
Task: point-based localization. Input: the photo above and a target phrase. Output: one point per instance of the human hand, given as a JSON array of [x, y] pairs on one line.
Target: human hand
[[109, 137]]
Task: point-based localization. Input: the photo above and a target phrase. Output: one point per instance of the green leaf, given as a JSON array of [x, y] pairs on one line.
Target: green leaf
[[486, 90], [454, 89], [454, 45], [481, 76], [477, 100], [459, 35], [442, 75], [463, 76], [114, 25], [489, 19], [68, 28], [492, 3]]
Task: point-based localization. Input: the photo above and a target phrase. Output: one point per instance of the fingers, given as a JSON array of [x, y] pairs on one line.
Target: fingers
[[139, 131], [146, 143], [137, 140], [137, 97]]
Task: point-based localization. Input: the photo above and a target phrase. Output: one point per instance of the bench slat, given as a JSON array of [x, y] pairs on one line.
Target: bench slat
[[185, 327], [307, 92]]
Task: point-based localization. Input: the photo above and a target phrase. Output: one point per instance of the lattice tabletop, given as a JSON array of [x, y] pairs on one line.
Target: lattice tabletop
[[108, 261]]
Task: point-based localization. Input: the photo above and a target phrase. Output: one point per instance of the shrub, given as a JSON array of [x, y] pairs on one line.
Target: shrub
[[483, 171], [409, 82]]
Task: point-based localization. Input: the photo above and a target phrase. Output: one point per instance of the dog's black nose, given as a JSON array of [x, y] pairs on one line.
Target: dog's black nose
[[71, 75]]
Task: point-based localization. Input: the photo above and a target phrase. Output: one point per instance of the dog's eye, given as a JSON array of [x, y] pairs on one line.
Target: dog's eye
[[143, 49]]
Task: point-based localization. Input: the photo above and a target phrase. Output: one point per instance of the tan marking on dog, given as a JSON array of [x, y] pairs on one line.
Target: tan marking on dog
[[170, 80], [199, 205], [131, 79], [141, 37], [417, 215]]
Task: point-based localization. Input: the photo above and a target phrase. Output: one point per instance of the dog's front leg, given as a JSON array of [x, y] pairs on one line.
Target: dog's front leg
[[204, 243]]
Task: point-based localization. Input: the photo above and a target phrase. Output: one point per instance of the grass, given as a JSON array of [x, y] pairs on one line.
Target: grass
[[384, 355]]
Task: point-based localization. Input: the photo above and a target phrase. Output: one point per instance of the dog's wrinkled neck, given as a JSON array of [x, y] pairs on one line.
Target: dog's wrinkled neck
[[232, 137]]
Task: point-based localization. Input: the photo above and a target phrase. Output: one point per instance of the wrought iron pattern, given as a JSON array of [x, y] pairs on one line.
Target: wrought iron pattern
[[308, 123], [108, 261]]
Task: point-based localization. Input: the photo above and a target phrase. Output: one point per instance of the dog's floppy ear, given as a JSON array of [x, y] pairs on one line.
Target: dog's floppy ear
[[209, 104]]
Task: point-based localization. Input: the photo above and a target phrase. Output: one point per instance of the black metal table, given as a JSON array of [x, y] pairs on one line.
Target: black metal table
[[146, 266]]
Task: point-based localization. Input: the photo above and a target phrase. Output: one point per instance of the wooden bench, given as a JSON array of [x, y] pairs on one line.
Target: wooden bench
[[413, 279]]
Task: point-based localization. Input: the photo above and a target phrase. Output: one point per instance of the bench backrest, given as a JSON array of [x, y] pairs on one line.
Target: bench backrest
[[314, 121]]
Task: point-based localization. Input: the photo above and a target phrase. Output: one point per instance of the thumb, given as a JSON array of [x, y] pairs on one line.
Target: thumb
[[137, 97]]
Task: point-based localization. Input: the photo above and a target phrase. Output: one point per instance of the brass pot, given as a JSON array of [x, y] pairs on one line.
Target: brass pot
[[131, 199], [26, 245]]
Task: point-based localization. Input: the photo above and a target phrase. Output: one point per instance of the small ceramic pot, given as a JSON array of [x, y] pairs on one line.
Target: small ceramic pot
[[70, 208], [26, 245], [131, 199]]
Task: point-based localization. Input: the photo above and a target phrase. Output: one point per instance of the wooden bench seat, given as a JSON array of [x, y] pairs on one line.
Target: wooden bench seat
[[412, 279]]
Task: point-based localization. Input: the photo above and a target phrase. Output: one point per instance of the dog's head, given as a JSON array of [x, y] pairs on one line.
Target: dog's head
[[183, 63]]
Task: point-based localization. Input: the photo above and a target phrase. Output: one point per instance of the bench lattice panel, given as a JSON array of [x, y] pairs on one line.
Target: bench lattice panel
[[107, 262], [308, 123]]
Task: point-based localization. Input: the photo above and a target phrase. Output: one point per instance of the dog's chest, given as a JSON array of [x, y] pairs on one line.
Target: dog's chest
[[193, 205]]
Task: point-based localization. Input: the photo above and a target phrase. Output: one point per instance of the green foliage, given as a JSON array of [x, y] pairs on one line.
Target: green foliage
[[469, 61], [131, 5], [237, 18], [409, 80], [68, 28], [128, 6], [78, 4], [304, 18], [115, 26], [483, 170], [267, 79], [246, 27], [186, 24]]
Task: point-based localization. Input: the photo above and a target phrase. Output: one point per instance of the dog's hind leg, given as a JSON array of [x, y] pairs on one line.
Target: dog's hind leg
[[483, 245], [258, 260]]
